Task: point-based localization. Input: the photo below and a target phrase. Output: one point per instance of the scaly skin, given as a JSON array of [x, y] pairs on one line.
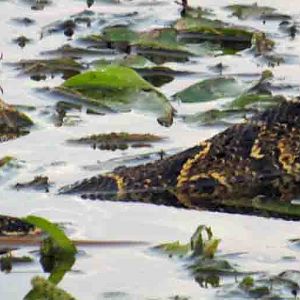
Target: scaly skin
[[14, 226], [260, 157]]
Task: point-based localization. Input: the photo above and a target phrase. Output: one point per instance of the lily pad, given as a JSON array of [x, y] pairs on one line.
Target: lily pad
[[258, 95], [162, 38], [159, 75], [39, 67], [119, 89], [158, 45], [119, 34], [255, 97], [255, 11], [241, 107], [252, 100], [70, 51], [216, 117], [156, 75], [200, 30], [211, 89], [130, 61]]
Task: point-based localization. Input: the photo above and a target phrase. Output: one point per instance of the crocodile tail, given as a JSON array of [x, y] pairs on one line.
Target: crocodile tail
[[150, 183], [15, 226], [105, 184]]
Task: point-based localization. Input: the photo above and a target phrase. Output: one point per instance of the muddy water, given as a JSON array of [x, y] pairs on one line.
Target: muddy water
[[129, 273]]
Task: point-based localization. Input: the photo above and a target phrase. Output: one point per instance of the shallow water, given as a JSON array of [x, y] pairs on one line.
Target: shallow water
[[134, 273]]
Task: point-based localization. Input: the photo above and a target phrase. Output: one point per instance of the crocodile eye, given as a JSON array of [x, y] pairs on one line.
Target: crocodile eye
[[206, 185]]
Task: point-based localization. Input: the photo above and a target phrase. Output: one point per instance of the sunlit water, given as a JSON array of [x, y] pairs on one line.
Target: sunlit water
[[135, 273]]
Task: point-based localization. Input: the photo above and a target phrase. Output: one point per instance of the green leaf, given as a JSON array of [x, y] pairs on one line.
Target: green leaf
[[54, 232], [201, 246], [109, 77], [216, 116], [42, 289], [62, 266], [119, 34], [118, 88], [246, 101], [211, 247], [250, 11], [175, 248], [130, 61], [211, 89]]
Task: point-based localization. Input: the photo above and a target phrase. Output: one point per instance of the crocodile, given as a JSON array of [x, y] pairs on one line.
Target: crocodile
[[256, 159], [12, 226]]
